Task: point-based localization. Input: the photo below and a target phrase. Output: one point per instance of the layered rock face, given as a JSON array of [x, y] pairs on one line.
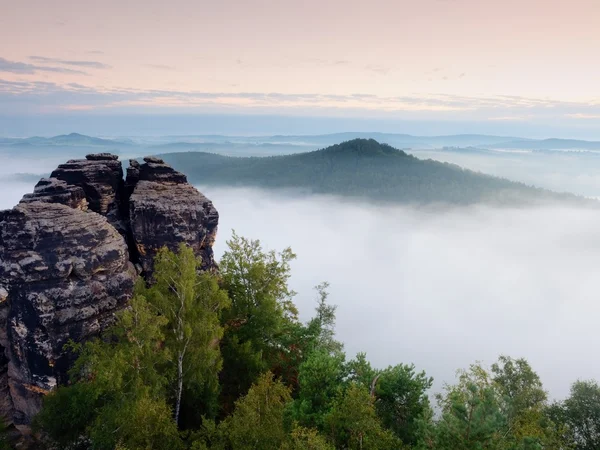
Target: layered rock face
[[165, 210], [101, 178], [65, 272], [68, 254]]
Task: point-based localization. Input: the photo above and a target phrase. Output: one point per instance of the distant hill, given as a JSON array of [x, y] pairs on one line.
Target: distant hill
[[548, 144], [361, 168], [73, 139], [288, 144]]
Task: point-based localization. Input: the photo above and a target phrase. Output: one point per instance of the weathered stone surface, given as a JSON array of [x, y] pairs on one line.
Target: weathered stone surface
[[65, 272], [161, 195], [155, 169], [133, 176], [52, 190], [101, 178]]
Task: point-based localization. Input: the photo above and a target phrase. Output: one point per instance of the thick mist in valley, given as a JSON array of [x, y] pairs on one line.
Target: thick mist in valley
[[440, 288]]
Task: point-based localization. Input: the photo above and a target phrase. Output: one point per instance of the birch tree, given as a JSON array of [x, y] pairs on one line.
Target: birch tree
[[192, 303]]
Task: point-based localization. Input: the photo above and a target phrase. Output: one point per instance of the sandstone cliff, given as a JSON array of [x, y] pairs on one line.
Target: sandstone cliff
[[68, 258]]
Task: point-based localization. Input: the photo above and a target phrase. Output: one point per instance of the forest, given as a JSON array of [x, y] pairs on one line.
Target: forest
[[221, 361], [362, 168]]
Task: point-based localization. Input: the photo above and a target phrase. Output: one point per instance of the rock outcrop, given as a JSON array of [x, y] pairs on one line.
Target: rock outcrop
[[65, 272], [68, 258], [165, 210], [53, 190]]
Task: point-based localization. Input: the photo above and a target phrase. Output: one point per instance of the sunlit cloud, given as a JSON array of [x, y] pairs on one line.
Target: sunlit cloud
[[31, 96], [18, 67], [87, 64], [584, 116]]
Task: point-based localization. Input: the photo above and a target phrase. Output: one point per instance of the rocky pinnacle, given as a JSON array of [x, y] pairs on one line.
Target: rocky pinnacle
[[69, 256]]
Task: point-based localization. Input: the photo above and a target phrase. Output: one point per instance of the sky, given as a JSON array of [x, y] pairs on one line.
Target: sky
[[521, 62]]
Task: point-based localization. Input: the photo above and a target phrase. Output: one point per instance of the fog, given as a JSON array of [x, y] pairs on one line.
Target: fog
[[577, 172], [439, 288]]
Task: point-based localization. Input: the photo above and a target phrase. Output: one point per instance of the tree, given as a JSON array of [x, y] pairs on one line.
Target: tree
[[306, 439], [353, 422], [401, 399], [191, 302], [505, 410], [258, 419], [321, 377], [580, 413], [322, 327], [117, 387], [143, 423], [471, 416], [523, 402], [519, 386], [261, 317]]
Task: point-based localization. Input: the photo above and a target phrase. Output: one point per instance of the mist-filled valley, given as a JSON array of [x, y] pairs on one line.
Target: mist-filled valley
[[437, 286]]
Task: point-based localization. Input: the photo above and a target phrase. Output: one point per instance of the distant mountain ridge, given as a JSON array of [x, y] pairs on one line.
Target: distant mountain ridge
[[360, 168], [285, 144], [72, 139]]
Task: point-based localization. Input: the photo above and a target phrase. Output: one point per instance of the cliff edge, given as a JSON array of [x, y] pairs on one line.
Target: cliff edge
[[70, 253]]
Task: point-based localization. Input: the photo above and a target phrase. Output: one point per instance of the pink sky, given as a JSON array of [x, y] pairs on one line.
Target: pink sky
[[443, 56]]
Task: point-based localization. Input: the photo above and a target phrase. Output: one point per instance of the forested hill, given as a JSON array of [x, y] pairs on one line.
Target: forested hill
[[362, 168]]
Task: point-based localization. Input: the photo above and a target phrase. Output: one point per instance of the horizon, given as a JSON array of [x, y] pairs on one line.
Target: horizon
[[456, 65], [247, 125]]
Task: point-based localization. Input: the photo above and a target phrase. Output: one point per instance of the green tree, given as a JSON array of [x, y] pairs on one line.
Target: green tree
[[471, 416], [321, 377], [401, 400], [257, 422], [143, 423], [261, 315], [523, 401], [580, 414], [306, 439], [519, 385], [353, 422], [191, 302], [117, 388], [321, 328]]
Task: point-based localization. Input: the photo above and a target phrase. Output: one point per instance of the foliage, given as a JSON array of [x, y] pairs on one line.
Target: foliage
[[506, 410], [192, 304], [262, 316], [401, 400], [283, 384], [580, 415], [118, 388], [257, 421], [306, 439], [471, 416], [321, 377], [353, 422]]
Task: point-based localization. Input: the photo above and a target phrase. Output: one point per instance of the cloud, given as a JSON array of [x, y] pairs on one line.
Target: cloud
[[86, 64], [36, 96], [25, 68], [583, 116], [159, 67]]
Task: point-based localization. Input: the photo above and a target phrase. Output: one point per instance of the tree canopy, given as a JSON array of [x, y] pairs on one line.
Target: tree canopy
[[221, 361]]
